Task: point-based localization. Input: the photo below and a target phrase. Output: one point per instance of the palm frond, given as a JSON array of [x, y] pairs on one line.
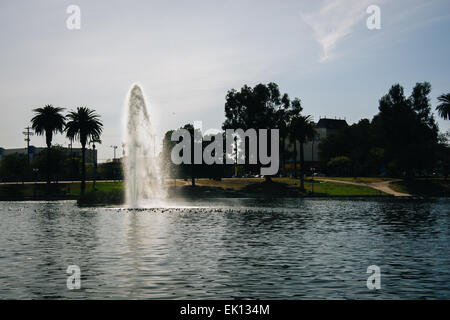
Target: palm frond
[[48, 120], [443, 109], [83, 125]]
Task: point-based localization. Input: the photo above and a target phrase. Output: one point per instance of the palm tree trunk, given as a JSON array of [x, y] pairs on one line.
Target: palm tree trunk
[[95, 167], [49, 166], [83, 168], [302, 168]]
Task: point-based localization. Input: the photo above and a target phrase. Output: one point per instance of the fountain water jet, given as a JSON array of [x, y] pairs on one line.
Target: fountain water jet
[[143, 181]]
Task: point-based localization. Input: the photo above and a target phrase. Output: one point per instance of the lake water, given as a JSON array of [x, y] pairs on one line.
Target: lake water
[[226, 249]]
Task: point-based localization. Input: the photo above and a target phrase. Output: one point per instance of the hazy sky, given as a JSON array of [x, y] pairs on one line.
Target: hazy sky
[[188, 54]]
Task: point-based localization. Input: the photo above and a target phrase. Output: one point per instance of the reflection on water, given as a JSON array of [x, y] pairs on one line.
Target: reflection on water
[[228, 248]]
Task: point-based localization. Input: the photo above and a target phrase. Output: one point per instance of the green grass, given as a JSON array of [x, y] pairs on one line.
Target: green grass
[[103, 193], [237, 184], [56, 189], [113, 192], [290, 185], [100, 186], [331, 188]]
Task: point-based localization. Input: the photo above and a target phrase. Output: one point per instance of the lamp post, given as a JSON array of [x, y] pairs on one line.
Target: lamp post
[[94, 160], [115, 148], [27, 135], [72, 164]]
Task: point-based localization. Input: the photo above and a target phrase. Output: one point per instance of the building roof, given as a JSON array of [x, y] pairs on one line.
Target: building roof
[[331, 123]]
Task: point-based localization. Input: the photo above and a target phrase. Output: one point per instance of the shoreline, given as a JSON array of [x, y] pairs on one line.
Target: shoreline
[[238, 196], [112, 193]]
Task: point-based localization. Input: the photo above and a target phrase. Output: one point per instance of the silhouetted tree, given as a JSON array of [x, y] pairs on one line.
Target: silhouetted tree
[[13, 167], [167, 147], [356, 143], [48, 120], [444, 108], [339, 165], [303, 130], [293, 113], [192, 167], [283, 119], [83, 125], [402, 137], [59, 162], [260, 107]]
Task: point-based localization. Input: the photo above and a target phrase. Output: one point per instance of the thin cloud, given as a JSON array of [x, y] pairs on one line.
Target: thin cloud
[[334, 20]]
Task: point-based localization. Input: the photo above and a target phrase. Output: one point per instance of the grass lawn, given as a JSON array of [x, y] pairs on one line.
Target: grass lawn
[[56, 189], [100, 186], [331, 188], [291, 185], [113, 192], [251, 185], [237, 184]]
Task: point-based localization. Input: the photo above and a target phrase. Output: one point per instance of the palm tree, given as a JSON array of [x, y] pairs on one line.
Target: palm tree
[[48, 120], [444, 108], [293, 114], [303, 130], [83, 125]]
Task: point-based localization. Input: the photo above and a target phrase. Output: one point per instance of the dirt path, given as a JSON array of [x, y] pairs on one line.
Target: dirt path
[[382, 186]]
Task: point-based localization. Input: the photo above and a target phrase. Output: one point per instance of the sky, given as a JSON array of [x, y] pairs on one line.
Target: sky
[[186, 55]]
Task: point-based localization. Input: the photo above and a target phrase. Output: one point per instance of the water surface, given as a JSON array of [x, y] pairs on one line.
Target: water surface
[[228, 248]]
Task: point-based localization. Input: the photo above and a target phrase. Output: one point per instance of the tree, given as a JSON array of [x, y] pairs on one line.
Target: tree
[[260, 107], [282, 119], [13, 166], [59, 161], [83, 125], [292, 114], [302, 131], [402, 139], [170, 169], [191, 167], [48, 120], [444, 154], [444, 108], [406, 130], [356, 143], [340, 165]]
